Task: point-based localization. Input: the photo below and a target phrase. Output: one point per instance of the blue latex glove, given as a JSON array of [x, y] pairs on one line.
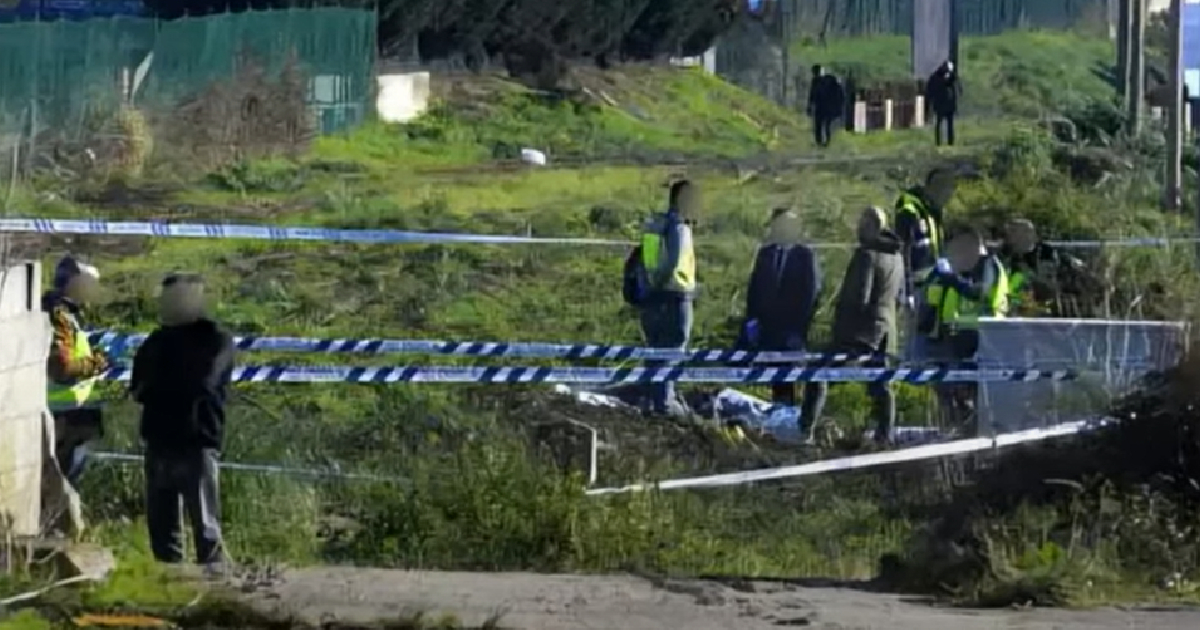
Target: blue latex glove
[[943, 267], [752, 331]]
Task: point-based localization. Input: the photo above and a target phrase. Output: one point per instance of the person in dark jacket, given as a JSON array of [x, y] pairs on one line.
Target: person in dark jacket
[[782, 295], [942, 92], [1043, 280], [864, 319], [180, 377], [826, 101]]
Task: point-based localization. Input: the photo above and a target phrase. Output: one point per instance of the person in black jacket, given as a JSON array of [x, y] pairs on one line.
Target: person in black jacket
[[180, 377], [942, 92], [826, 100], [782, 296]]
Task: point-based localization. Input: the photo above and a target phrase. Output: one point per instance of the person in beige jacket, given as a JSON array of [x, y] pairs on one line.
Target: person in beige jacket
[[864, 320]]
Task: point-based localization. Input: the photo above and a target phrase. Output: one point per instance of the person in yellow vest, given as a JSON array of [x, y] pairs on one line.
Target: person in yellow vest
[[74, 365], [920, 215], [969, 283], [663, 271]]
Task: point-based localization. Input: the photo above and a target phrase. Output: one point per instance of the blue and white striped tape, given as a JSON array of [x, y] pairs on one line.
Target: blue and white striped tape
[[284, 233], [499, 349], [274, 233], [443, 374]]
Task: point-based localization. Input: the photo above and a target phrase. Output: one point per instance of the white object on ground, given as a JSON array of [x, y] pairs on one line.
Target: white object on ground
[[533, 156]]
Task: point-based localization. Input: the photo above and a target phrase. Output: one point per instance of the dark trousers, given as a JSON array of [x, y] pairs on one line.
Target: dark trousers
[[73, 430], [186, 479], [945, 121], [823, 128], [883, 399], [666, 320]]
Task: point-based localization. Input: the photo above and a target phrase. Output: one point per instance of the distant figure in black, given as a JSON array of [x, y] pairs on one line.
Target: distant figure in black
[[826, 100], [942, 92]]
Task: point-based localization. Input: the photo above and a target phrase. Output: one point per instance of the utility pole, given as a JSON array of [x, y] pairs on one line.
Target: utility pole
[[1137, 54], [1123, 58], [1173, 197]]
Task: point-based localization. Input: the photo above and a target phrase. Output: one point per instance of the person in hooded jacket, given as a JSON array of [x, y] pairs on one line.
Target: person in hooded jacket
[[942, 92], [781, 298], [181, 375], [864, 320]]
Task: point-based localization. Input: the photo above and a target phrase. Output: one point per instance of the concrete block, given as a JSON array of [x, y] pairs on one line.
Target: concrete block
[[402, 96]]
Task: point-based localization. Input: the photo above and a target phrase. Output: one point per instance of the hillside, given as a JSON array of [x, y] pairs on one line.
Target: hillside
[[467, 490]]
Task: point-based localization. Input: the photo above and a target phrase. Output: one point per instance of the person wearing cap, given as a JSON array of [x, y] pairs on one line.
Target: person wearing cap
[[942, 92], [781, 295], [969, 283], [73, 366], [920, 216], [1043, 280], [864, 319], [180, 377]]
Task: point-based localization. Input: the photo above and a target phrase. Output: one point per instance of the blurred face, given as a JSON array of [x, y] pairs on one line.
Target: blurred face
[[1021, 236], [83, 289], [181, 303], [870, 224], [940, 189], [964, 252]]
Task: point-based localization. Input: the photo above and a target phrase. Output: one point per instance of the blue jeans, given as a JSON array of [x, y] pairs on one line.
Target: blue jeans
[[666, 323]]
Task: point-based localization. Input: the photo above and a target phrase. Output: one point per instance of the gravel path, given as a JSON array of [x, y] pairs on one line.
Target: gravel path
[[574, 602]]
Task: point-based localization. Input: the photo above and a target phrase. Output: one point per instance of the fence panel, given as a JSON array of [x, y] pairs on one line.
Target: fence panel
[[1113, 353]]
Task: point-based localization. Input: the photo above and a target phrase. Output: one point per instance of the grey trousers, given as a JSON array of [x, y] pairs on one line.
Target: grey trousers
[[187, 480]]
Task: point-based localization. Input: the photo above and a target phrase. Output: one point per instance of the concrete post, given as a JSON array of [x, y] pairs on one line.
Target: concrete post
[[24, 346]]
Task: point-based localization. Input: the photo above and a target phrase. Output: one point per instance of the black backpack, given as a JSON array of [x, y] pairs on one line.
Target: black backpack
[[634, 281]]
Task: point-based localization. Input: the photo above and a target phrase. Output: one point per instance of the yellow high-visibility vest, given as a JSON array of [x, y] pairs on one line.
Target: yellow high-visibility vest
[[683, 276], [931, 230], [956, 311], [61, 397]]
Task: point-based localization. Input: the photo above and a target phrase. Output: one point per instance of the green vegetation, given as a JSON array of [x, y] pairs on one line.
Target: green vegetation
[[474, 493], [1021, 73]]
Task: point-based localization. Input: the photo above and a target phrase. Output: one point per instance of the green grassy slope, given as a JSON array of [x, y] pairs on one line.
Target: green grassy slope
[[474, 494]]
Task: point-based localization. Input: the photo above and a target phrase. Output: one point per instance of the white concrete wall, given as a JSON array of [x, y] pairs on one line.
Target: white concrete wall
[[401, 96], [24, 346]]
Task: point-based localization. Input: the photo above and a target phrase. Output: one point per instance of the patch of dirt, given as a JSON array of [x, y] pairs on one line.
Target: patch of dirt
[[527, 601]]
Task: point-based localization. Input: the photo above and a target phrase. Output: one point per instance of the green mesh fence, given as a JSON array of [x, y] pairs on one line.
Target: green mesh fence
[[54, 74], [836, 18]]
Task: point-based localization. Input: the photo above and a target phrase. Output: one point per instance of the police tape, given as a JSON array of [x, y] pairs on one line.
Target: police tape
[[870, 460], [377, 237], [498, 349], [450, 374], [275, 233], [841, 464]]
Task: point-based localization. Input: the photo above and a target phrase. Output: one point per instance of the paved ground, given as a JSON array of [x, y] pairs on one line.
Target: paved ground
[[572, 602]]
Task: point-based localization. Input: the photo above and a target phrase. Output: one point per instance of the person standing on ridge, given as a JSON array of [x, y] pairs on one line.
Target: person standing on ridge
[[180, 377], [942, 91], [920, 216], [781, 297], [864, 318], [826, 102], [74, 366], [660, 281]]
